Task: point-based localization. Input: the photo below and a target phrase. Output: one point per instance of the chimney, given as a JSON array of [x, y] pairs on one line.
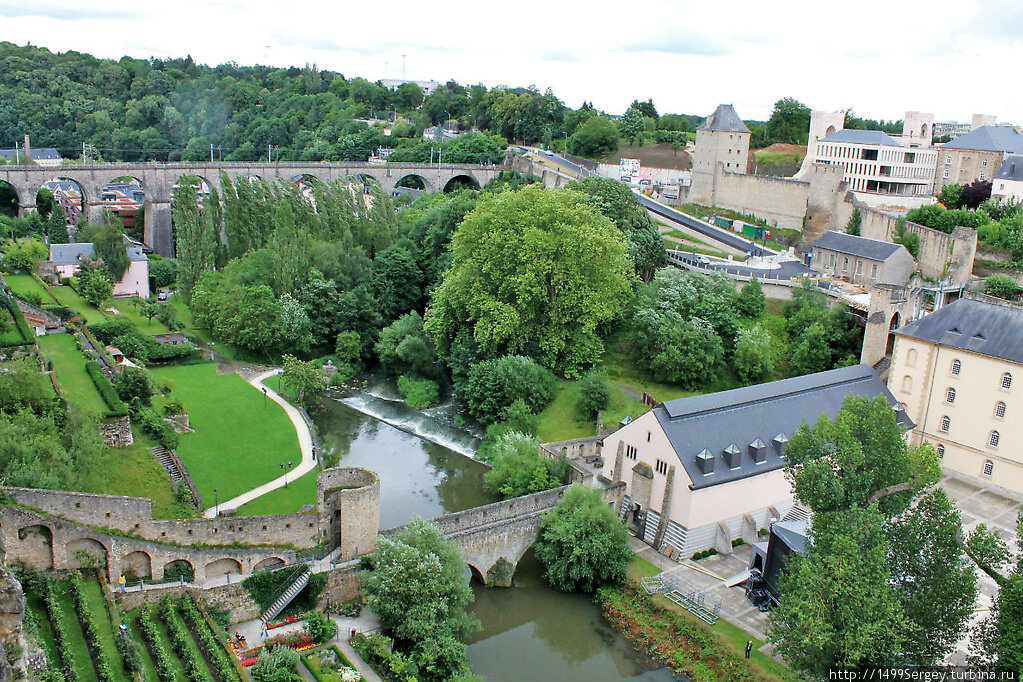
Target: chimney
[[705, 461], [28, 149], [732, 455], [758, 450]]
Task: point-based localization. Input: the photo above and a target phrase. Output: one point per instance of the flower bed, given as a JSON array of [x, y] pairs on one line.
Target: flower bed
[[299, 641], [684, 646], [284, 621], [330, 665]]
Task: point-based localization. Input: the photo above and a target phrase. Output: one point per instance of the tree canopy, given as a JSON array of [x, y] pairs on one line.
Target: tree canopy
[[533, 272]]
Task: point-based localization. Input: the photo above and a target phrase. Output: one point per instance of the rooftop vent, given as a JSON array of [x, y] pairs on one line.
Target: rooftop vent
[[779, 442], [705, 461], [758, 450], [732, 456]]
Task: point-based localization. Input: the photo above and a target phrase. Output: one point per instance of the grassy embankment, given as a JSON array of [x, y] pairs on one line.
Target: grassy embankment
[[240, 438], [561, 420]]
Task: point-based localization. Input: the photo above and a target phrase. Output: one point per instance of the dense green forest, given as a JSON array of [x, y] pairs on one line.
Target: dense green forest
[[175, 109]]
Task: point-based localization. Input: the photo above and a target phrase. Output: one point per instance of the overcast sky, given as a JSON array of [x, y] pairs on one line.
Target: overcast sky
[[952, 58]]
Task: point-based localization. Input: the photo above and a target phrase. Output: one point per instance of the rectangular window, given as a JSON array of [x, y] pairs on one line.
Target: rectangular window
[[981, 177], [859, 267], [845, 265], [630, 452], [873, 271], [662, 468], [983, 164], [945, 173]]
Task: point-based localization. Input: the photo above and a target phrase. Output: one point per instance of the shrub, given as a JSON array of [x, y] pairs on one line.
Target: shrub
[[1002, 286], [134, 383], [594, 393], [418, 393], [494, 385], [320, 627], [194, 665], [153, 424], [60, 637], [162, 660], [90, 629], [209, 641]]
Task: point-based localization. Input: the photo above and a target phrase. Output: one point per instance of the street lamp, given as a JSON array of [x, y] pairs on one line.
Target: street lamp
[[216, 497], [286, 473], [447, 120], [264, 397]]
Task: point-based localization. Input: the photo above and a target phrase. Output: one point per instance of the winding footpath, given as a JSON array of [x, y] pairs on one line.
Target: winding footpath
[[305, 444]]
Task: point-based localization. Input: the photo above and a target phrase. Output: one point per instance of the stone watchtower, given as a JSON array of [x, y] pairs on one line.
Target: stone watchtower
[[722, 142], [348, 502]]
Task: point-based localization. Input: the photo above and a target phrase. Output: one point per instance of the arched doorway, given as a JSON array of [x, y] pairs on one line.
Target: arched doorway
[[180, 569], [892, 326], [830, 131], [35, 547]]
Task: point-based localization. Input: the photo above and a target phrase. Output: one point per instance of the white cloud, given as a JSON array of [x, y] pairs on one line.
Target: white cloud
[[879, 57]]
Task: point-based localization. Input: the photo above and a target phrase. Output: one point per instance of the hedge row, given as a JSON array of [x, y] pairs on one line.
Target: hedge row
[[153, 424], [209, 641], [91, 630], [163, 660], [116, 406], [60, 637], [128, 648], [25, 332], [195, 666]]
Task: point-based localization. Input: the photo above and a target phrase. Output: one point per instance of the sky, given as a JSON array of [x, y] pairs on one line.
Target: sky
[[879, 58]]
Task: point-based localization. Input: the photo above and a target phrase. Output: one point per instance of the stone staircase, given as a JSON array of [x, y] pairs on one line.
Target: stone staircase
[[166, 460], [285, 598]]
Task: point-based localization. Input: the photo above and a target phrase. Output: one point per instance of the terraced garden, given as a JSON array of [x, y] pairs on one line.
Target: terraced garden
[[78, 626]]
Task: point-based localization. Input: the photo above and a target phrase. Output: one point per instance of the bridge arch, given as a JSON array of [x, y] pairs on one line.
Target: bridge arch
[[36, 546], [68, 195], [460, 182], [11, 201], [125, 196], [138, 564], [414, 181]]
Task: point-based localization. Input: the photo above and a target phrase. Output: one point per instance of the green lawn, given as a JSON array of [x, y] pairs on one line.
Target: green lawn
[[128, 309], [283, 500], [26, 284], [134, 471], [76, 640], [238, 442], [93, 594], [561, 420], [69, 364], [70, 298]]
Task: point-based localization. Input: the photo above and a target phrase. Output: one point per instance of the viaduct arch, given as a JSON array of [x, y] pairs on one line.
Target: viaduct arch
[[158, 179]]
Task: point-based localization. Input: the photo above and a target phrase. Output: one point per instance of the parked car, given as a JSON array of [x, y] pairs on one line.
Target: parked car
[[162, 296]]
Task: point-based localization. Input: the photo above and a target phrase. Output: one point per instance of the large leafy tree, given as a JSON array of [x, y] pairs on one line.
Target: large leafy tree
[[582, 544], [196, 240], [884, 579], [595, 137], [789, 122], [617, 202], [533, 272], [517, 468], [417, 587]]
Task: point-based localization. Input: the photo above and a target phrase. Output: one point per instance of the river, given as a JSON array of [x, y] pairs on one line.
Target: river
[[424, 462]]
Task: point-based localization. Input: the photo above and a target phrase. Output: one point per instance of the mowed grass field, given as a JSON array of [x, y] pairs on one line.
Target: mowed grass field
[[69, 364], [238, 443]]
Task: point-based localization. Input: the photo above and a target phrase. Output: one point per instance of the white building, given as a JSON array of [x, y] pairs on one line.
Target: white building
[[704, 471], [67, 261], [1007, 185], [428, 87], [875, 163]]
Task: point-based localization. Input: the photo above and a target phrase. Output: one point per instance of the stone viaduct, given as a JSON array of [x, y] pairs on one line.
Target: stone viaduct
[[50, 530], [158, 180]]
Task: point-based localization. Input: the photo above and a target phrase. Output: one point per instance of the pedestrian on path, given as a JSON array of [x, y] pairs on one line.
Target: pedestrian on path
[[122, 582], [749, 647]]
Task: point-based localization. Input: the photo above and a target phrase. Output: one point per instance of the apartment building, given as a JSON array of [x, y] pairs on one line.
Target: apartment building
[[876, 163], [958, 373]]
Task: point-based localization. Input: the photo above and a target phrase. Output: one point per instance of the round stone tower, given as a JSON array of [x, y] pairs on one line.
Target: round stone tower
[[348, 500]]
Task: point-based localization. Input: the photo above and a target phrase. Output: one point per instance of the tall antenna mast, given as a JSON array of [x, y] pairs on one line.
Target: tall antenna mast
[[403, 66]]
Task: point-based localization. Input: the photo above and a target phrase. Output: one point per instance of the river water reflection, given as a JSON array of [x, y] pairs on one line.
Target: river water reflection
[[530, 632]]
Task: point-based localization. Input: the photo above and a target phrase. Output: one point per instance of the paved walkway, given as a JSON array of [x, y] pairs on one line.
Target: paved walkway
[[305, 443]]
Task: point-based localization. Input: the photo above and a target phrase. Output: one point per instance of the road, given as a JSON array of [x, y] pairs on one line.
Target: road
[[785, 269]]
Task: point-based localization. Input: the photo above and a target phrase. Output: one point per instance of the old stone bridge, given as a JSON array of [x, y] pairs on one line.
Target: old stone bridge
[[51, 529], [158, 179]]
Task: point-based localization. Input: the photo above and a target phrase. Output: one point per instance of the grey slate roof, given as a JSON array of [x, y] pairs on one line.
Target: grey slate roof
[[71, 254], [41, 154], [769, 412], [873, 249], [1012, 169], [989, 139], [877, 137], [724, 119], [984, 328]]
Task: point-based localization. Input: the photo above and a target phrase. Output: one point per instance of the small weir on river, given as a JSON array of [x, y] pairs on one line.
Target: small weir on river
[[424, 460]]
